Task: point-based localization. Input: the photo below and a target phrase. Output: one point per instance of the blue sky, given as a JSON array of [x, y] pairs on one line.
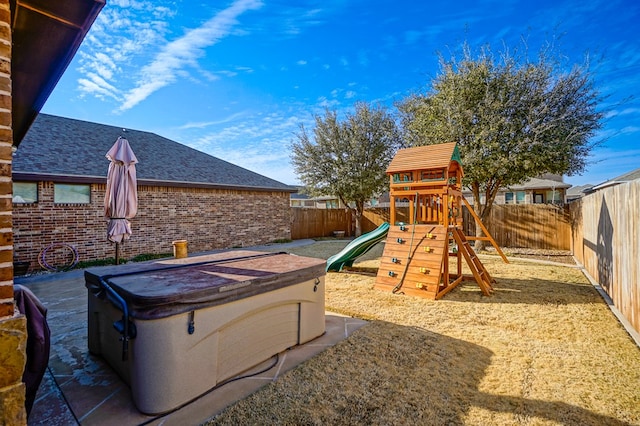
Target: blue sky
[[235, 79]]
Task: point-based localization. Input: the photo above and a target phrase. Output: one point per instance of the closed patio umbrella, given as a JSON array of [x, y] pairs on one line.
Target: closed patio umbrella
[[121, 197]]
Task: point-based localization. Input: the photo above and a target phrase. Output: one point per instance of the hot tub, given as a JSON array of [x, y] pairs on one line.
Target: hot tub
[[193, 323]]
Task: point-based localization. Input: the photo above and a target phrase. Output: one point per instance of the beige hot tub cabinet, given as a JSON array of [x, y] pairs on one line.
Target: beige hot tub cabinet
[[193, 323]]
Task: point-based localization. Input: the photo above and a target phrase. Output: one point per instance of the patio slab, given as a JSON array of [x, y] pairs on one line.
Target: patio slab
[[80, 388]]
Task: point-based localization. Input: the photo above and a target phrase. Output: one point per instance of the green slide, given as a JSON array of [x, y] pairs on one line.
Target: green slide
[[357, 248]]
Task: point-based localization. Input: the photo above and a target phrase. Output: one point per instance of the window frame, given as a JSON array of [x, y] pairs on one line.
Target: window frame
[[61, 185], [24, 202]]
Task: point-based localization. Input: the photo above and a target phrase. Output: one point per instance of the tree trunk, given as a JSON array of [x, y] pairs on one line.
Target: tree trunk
[[358, 216], [480, 245], [480, 211], [483, 211]]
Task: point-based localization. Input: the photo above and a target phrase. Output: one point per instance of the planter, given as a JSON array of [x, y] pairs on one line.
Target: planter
[[180, 249], [338, 234]]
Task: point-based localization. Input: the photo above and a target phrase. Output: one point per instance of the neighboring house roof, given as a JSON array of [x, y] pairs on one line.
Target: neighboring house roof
[[537, 183], [629, 176], [45, 36], [424, 157], [578, 191], [70, 150], [299, 196], [530, 185]]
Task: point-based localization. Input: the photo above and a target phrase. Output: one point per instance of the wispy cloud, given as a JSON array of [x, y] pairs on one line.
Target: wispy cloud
[[205, 124], [265, 141], [130, 32], [117, 37], [184, 52]]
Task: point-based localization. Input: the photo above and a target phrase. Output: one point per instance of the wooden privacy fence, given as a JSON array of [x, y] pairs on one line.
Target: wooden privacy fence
[[602, 230], [535, 226], [606, 230], [314, 223]]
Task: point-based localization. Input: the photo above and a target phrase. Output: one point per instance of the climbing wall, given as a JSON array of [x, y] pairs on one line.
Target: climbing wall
[[413, 259]]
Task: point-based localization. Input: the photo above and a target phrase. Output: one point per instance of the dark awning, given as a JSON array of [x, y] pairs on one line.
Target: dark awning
[[46, 35]]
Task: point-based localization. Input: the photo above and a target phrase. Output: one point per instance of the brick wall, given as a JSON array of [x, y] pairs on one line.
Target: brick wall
[[207, 218], [13, 325], [6, 142]]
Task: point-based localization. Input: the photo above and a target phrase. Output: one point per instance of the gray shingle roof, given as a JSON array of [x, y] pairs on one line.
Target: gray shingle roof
[[65, 147], [577, 191], [537, 183], [627, 177]]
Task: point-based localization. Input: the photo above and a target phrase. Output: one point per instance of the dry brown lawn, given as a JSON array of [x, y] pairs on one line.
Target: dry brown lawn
[[544, 349]]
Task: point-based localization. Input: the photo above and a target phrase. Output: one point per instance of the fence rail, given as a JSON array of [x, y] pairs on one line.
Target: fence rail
[[535, 226]]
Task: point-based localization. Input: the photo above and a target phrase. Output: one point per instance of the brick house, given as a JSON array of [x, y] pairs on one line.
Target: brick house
[[545, 189], [300, 199], [37, 42], [59, 177]]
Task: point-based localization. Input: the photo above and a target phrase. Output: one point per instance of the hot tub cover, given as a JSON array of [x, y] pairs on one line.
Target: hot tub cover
[[165, 288]]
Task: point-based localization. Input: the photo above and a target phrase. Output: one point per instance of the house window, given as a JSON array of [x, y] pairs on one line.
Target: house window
[[64, 193], [508, 198], [538, 198], [331, 204], [516, 197], [25, 192], [554, 197]]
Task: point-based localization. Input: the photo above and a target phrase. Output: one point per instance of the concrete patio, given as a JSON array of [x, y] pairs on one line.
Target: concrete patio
[[80, 388]]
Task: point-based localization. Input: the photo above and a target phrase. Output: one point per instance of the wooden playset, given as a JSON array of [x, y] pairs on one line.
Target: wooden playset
[[416, 255]]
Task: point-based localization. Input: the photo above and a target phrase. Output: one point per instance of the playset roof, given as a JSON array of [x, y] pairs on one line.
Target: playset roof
[[426, 157]]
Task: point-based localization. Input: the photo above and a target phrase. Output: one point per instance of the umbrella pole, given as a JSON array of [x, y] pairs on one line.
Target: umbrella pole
[[117, 253]]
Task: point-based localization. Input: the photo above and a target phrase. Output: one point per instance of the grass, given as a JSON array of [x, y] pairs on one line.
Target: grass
[[544, 349]]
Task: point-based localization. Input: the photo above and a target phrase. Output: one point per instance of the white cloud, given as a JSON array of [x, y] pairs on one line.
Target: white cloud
[[323, 102], [184, 52], [90, 85], [117, 37], [130, 32], [258, 142], [204, 124], [630, 129], [301, 62]]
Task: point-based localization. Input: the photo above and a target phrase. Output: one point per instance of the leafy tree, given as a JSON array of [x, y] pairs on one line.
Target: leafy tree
[[512, 118], [347, 158]]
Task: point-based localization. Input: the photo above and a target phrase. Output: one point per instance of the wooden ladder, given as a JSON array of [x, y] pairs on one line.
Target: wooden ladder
[[480, 273]]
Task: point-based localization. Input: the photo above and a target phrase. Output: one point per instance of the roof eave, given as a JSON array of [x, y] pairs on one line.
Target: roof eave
[[45, 37], [50, 177]]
